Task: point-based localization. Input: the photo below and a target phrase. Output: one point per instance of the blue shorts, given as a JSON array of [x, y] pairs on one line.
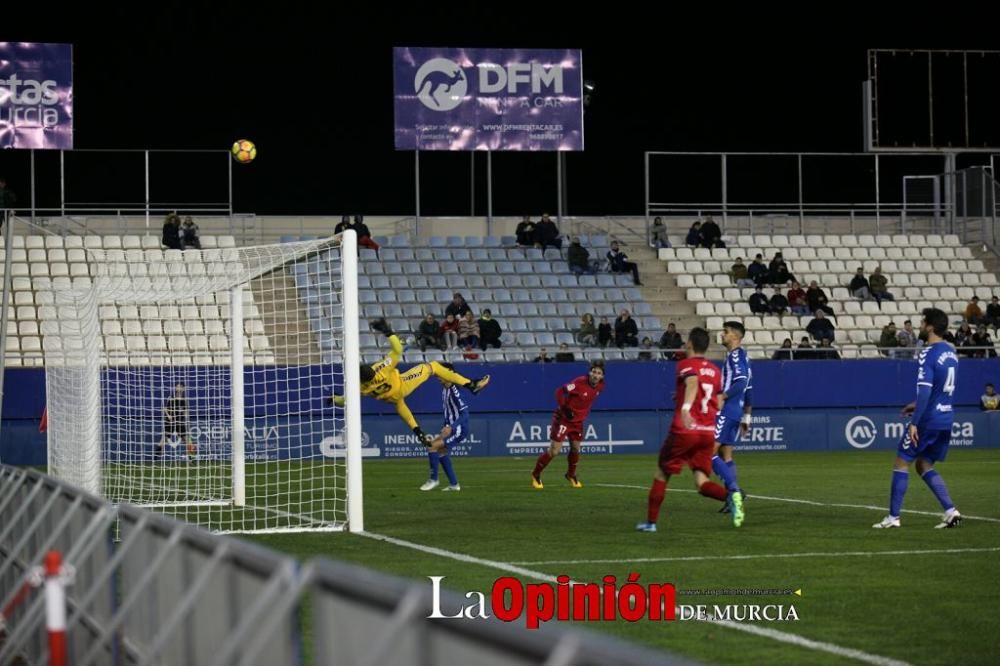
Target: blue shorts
[[727, 429], [459, 431], [933, 445]]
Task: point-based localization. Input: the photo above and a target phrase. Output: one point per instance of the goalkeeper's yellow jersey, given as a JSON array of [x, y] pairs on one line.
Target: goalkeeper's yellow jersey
[[386, 385]]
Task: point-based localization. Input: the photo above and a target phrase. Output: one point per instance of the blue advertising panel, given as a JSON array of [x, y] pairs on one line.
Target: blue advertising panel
[[36, 95]]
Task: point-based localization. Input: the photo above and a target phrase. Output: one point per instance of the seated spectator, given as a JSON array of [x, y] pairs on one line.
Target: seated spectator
[[604, 333], [785, 352], [579, 258], [618, 263], [525, 232], [626, 331], [364, 234], [429, 333], [981, 338], [693, 238], [458, 306], [587, 333], [859, 286], [778, 302], [190, 237], [759, 303], [658, 234], [671, 340], [797, 302], [990, 400], [888, 341], [449, 332], [778, 270], [757, 271], [963, 340], [172, 232], [468, 331], [974, 313], [816, 299], [826, 351], [564, 355], [543, 357], [547, 233], [879, 285], [820, 327], [908, 340], [489, 331], [804, 351], [993, 313], [711, 234], [345, 224], [646, 345], [738, 274]]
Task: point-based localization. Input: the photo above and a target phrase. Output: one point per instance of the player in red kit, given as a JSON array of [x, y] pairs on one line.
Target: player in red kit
[[692, 433], [573, 403]]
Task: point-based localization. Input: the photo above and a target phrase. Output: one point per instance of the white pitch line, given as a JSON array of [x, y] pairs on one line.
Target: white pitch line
[[768, 556], [765, 632], [793, 500]]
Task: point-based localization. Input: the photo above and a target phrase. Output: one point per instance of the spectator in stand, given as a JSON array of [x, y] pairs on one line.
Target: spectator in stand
[[449, 332], [974, 313], [579, 258], [880, 286], [785, 352], [7, 199], [626, 331], [711, 234], [172, 232], [963, 339], [547, 233], [525, 232], [759, 303], [778, 302], [543, 357], [826, 351], [564, 355], [778, 270], [364, 234], [647, 346], [993, 313], [757, 271], [190, 237], [820, 327], [345, 224], [816, 299], [859, 286], [618, 263], [982, 338], [489, 331], [468, 331], [738, 274], [458, 306], [604, 333], [797, 302], [429, 333], [671, 341], [805, 350], [908, 340], [693, 238], [889, 340], [658, 234], [587, 333], [989, 401]]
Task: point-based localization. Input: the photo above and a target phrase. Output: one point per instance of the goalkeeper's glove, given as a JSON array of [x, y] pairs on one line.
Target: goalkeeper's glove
[[424, 438], [568, 412], [382, 326], [337, 400]]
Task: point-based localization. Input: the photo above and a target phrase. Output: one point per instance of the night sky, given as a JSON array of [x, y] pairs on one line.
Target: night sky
[[313, 89]]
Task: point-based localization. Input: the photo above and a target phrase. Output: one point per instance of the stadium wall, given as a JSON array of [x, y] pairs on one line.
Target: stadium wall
[[799, 406]]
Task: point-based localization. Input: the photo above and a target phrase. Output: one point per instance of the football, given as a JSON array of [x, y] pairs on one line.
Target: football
[[244, 151]]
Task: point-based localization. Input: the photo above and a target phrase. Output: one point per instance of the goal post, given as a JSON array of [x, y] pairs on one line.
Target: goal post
[[197, 382]]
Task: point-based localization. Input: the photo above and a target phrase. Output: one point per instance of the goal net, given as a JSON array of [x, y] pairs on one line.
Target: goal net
[[196, 383]]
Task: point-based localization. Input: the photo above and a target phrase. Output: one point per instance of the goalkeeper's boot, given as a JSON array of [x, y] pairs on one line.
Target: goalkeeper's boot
[[951, 519], [536, 482], [430, 484], [477, 385], [886, 523], [573, 481], [737, 499], [382, 326], [645, 527]]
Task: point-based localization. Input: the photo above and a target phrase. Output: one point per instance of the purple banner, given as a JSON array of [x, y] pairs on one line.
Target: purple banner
[[488, 99], [36, 95]]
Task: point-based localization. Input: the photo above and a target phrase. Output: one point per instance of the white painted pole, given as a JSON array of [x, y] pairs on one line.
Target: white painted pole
[[352, 382], [236, 383]]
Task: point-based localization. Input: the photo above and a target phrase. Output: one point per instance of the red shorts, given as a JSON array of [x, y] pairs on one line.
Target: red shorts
[[693, 449], [563, 430]]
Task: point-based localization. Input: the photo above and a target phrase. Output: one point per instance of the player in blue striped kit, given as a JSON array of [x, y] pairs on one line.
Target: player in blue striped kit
[[455, 431], [733, 414], [928, 434]]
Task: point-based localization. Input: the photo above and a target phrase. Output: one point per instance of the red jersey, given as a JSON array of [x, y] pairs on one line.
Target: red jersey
[[705, 405], [578, 396]]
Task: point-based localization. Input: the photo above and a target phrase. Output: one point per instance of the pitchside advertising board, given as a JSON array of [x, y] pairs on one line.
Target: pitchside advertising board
[[488, 99], [36, 95]]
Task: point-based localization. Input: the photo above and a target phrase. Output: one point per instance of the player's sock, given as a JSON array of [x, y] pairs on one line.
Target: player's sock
[[656, 493], [543, 459], [940, 490], [713, 490], [900, 480], [574, 458], [449, 470], [727, 475], [448, 375], [434, 457]]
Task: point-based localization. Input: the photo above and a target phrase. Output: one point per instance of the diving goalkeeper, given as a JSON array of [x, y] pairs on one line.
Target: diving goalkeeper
[[384, 382]]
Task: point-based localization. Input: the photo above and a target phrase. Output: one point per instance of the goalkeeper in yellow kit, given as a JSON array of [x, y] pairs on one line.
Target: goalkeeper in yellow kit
[[384, 382]]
